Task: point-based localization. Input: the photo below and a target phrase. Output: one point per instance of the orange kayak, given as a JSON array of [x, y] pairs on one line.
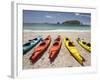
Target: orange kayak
[[38, 51], [54, 50]]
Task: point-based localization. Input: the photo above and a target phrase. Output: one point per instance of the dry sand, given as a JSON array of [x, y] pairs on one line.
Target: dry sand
[[64, 58]]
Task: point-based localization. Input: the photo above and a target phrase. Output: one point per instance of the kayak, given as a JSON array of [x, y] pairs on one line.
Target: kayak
[[30, 44], [84, 44], [54, 50], [40, 49], [73, 50]]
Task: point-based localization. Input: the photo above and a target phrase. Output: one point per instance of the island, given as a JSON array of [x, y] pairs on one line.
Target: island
[[71, 22]]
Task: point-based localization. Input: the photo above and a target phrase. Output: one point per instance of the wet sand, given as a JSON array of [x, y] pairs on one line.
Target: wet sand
[[64, 58]]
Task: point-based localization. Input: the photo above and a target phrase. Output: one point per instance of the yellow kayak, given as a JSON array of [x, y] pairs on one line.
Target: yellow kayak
[[73, 50], [85, 45]]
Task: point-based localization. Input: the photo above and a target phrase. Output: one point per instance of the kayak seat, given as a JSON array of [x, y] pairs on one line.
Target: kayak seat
[[88, 44], [29, 40], [71, 44], [42, 44], [58, 39], [35, 39], [27, 44], [84, 42], [67, 39], [40, 47], [56, 44], [47, 39]]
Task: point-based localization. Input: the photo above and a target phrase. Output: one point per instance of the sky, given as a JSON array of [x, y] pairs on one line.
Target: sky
[[30, 16]]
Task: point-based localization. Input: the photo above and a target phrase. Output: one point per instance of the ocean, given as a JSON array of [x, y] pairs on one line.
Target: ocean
[[36, 26]]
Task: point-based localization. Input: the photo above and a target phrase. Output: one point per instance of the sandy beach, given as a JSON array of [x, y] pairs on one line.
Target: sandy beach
[[64, 58]]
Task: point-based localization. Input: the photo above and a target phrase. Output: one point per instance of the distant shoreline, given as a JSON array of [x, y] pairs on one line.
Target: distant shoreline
[[55, 24]]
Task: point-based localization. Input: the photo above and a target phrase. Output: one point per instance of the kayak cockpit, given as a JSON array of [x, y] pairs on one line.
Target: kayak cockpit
[[42, 44], [84, 42], [67, 39], [27, 44], [56, 44], [88, 44], [35, 39], [71, 44]]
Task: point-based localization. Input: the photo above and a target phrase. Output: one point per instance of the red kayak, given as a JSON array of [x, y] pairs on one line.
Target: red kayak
[[54, 50], [38, 51]]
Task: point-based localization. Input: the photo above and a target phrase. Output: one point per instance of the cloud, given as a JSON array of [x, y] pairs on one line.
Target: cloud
[[77, 14], [84, 15], [48, 16]]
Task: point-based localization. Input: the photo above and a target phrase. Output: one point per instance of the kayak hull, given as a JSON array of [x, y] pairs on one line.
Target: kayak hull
[[55, 48], [73, 50], [40, 49]]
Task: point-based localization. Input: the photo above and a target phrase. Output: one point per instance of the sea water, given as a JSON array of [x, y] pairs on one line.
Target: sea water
[[38, 26]]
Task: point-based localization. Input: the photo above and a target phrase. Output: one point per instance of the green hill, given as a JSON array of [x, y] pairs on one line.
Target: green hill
[[70, 22]]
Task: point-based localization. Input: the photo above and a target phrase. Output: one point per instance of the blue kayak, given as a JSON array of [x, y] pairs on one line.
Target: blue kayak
[[30, 44]]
